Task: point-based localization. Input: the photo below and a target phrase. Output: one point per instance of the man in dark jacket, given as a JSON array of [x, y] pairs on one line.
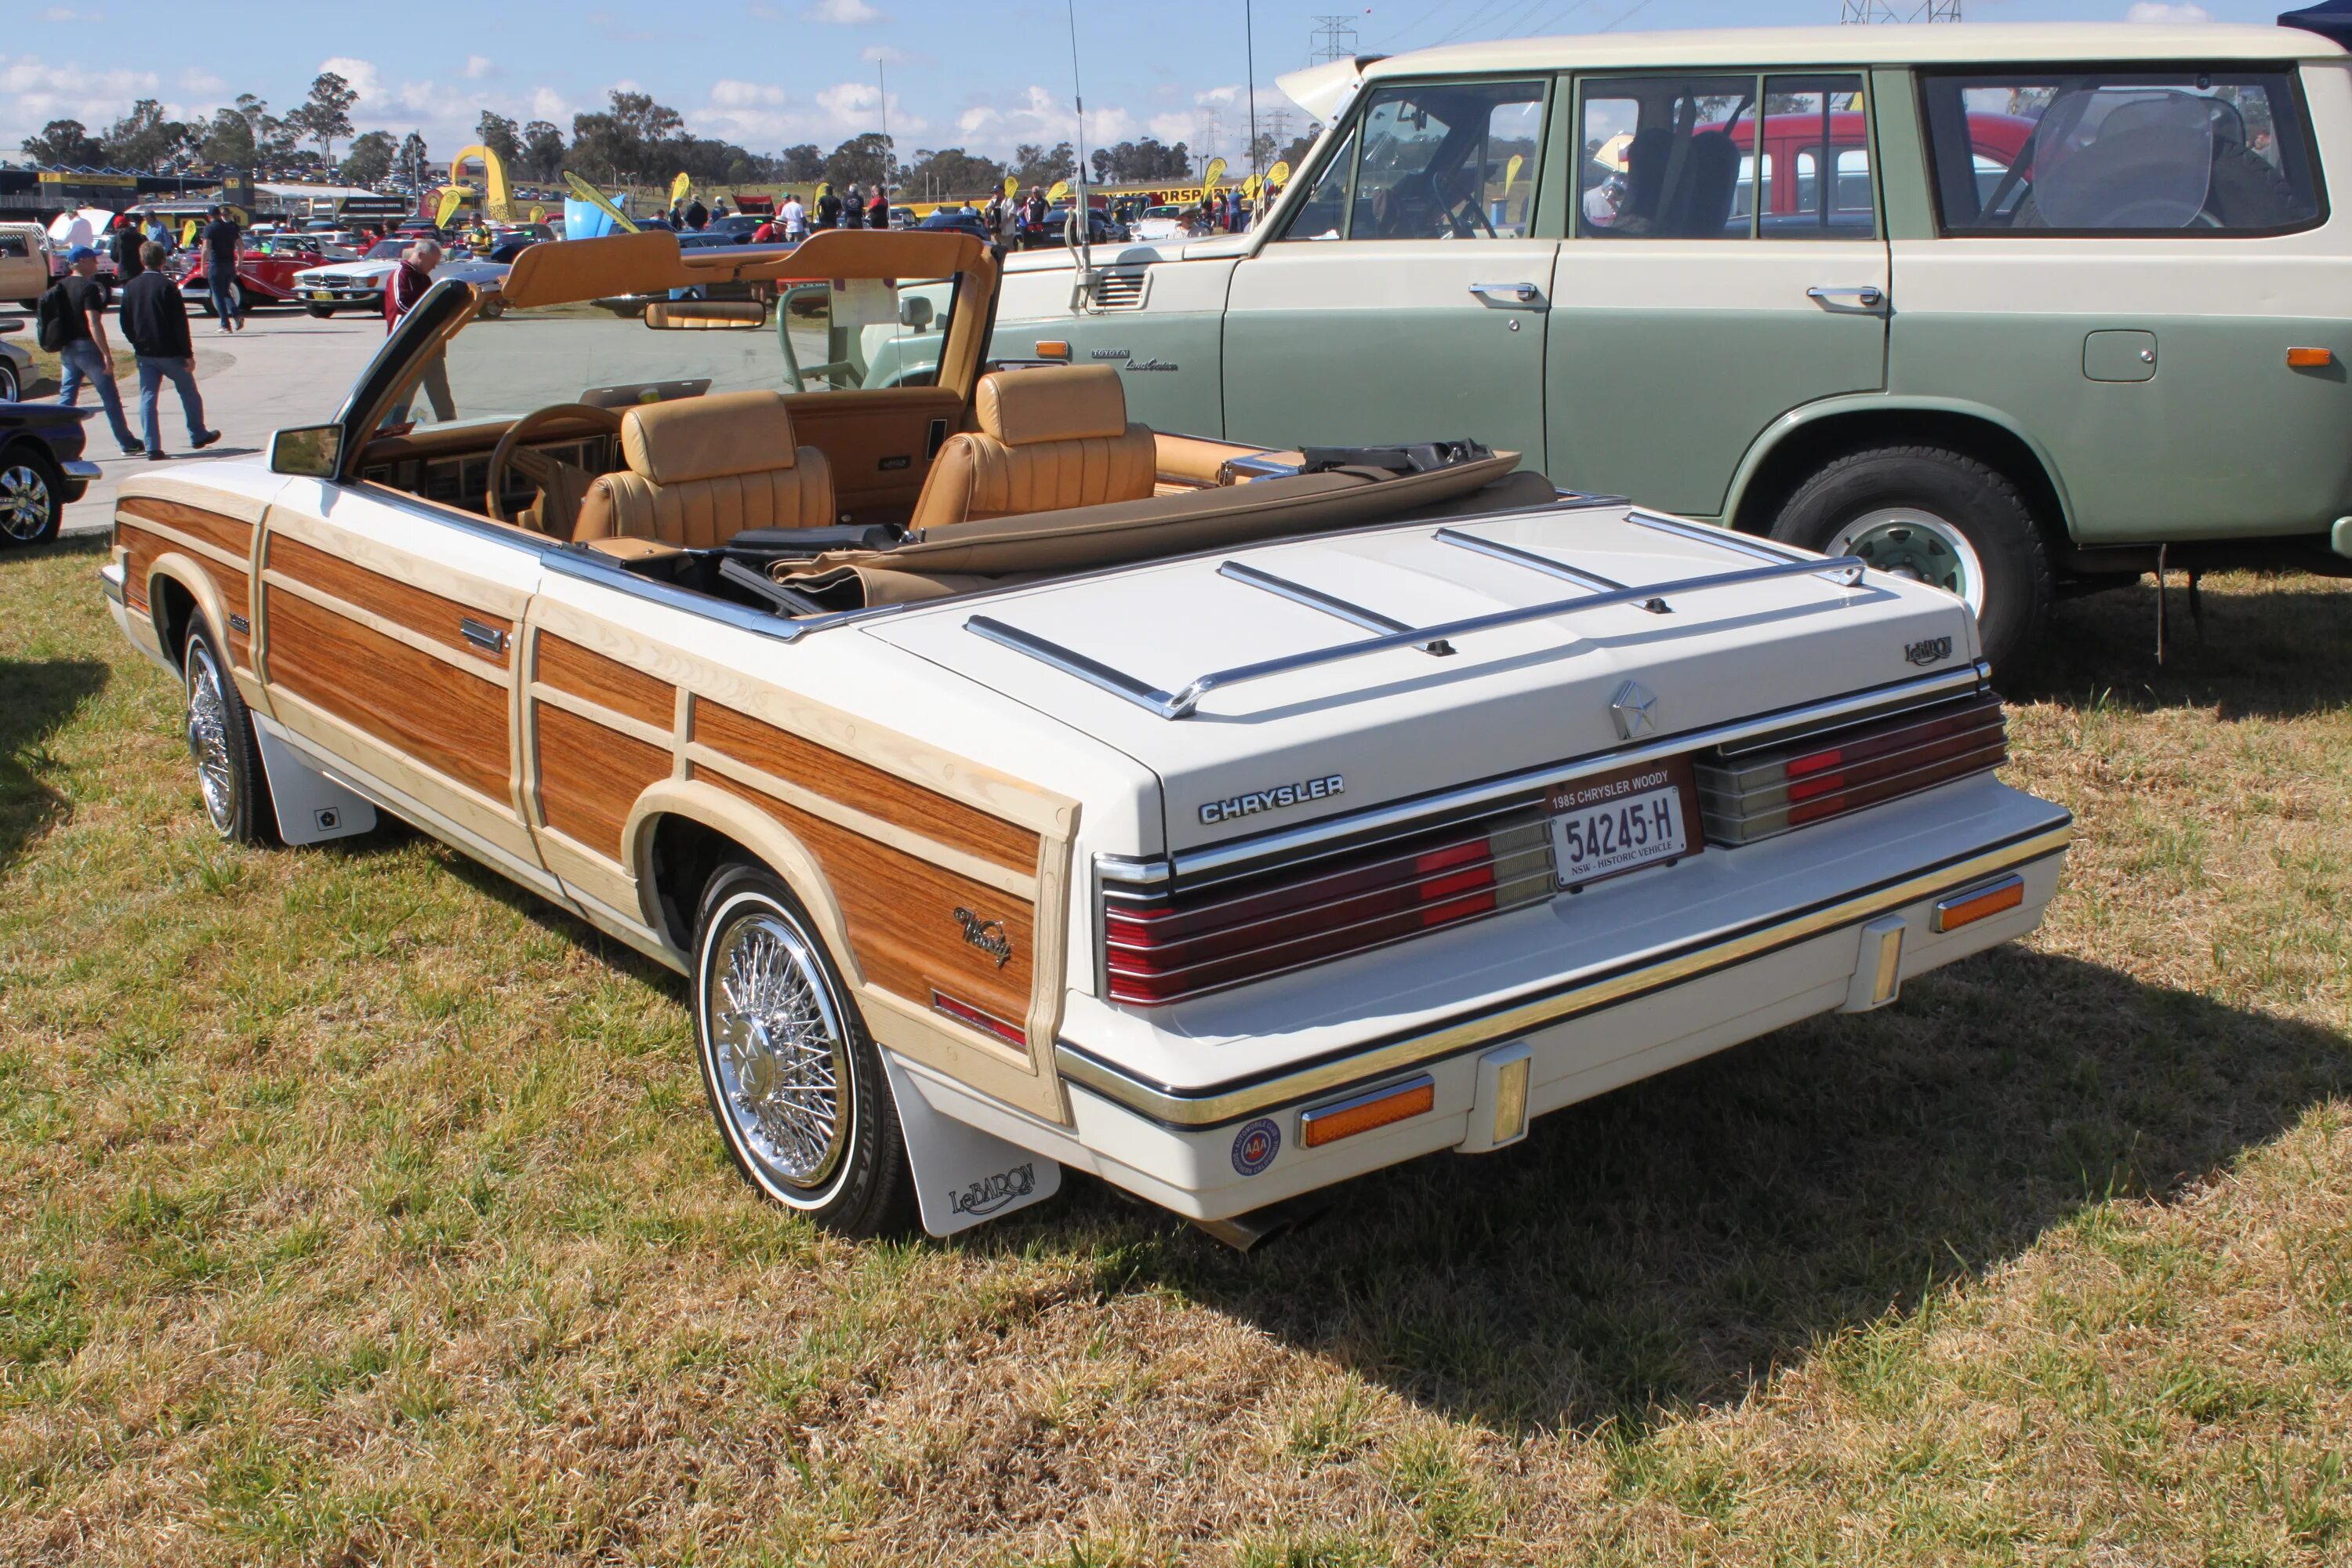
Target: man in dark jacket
[[156, 322], [124, 246], [828, 208], [222, 242]]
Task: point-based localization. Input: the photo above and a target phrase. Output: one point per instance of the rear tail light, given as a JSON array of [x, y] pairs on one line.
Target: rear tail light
[[1787, 782], [1164, 946]]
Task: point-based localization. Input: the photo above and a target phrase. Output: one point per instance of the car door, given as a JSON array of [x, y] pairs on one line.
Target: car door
[[385, 640], [2137, 269], [1407, 297], [1726, 265]]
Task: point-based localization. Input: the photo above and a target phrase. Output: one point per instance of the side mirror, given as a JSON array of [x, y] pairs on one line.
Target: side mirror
[[311, 451]]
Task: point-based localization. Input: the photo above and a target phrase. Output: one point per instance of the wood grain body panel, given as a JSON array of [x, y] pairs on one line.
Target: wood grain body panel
[[233, 534], [901, 914], [141, 549], [434, 712], [898, 801], [579, 671], [590, 778], [426, 614]]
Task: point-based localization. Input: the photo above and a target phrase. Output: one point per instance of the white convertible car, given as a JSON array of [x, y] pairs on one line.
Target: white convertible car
[[1021, 788], [358, 283]]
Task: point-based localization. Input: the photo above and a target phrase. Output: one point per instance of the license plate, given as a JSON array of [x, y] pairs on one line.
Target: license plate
[[321, 294], [1607, 827]]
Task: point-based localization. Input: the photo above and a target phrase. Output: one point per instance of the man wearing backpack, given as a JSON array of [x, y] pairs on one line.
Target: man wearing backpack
[[71, 322]]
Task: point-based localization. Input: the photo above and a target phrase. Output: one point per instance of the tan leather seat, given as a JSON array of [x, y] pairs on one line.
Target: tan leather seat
[[1048, 439], [703, 469]]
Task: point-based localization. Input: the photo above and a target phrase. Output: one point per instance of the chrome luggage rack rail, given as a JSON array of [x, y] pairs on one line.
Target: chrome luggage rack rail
[[1845, 570]]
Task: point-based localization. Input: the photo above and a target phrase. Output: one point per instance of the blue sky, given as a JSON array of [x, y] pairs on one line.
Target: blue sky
[[767, 73]]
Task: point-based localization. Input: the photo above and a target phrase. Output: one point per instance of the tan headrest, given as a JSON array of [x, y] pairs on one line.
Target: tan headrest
[[708, 437], [1054, 404]]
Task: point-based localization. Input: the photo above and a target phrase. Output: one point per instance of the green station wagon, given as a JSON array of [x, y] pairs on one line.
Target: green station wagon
[[2015, 310]]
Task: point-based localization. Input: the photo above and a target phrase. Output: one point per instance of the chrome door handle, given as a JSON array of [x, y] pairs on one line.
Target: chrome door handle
[[1869, 296], [1510, 294], [490, 640]]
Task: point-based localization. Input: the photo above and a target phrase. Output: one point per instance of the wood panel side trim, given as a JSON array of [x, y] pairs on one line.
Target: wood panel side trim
[[448, 719], [144, 551], [597, 713], [427, 614], [431, 647], [231, 535], [901, 912], [704, 763], [909, 806], [590, 777], [581, 672]]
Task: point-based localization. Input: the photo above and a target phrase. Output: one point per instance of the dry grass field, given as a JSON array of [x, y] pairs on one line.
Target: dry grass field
[[355, 1207]]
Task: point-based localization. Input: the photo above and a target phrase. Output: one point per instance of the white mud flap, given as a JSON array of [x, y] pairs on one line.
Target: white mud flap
[[311, 807], [963, 1176]]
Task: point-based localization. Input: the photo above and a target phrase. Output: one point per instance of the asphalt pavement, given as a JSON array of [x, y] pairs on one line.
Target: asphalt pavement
[[283, 369]]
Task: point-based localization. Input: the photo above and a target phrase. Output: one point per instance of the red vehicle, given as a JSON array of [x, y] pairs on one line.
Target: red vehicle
[[265, 273], [1794, 157]]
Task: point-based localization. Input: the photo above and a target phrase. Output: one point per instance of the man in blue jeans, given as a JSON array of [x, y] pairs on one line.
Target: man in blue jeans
[[85, 354], [223, 243], [156, 322]]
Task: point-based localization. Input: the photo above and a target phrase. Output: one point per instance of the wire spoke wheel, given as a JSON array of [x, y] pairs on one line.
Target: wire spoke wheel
[[209, 737], [1905, 541], [24, 502], [780, 1049]]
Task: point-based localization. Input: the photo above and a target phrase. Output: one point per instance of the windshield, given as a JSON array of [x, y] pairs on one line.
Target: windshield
[[387, 249], [848, 335]]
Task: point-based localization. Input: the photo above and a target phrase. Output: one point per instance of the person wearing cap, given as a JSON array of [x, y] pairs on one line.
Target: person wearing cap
[[85, 354], [156, 321]]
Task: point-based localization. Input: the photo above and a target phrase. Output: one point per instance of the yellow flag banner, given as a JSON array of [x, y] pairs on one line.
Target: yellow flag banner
[[597, 199], [538, 215], [1061, 188], [452, 198], [1012, 184], [680, 186], [1213, 173], [1249, 187], [188, 233], [1511, 171], [1280, 173]]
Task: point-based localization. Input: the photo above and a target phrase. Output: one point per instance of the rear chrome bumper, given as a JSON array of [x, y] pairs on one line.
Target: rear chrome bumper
[[1197, 1107], [79, 468]]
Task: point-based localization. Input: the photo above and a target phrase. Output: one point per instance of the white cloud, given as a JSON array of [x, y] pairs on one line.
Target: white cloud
[[478, 66], [360, 74], [34, 93], [1174, 128], [1039, 115], [882, 53], [843, 13], [1229, 93], [546, 103], [66, 14], [744, 94], [2150, 11], [203, 83]]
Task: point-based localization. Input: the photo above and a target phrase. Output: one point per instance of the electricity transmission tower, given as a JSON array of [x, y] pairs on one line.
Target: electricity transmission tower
[[1334, 38], [1859, 12]]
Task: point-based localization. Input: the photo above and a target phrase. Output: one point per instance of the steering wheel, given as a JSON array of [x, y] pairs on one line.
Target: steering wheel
[[537, 466]]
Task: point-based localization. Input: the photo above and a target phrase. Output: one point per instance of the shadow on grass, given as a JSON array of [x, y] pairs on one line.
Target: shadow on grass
[[1665, 1246], [37, 697], [2274, 652]]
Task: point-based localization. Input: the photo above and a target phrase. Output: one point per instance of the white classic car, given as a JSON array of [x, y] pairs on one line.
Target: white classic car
[[1022, 788], [359, 284]]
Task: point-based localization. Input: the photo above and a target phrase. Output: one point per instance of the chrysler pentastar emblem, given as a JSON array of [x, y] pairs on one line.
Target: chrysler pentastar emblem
[[1635, 709]]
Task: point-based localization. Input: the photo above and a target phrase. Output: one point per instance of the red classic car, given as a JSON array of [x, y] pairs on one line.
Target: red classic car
[[265, 273]]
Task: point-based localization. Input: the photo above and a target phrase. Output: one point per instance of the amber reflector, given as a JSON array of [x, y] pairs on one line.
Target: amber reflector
[[1050, 348], [963, 1011], [2310, 359], [1970, 907], [1329, 1123]]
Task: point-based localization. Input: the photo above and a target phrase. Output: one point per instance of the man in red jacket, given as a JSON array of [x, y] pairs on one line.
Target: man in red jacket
[[401, 290]]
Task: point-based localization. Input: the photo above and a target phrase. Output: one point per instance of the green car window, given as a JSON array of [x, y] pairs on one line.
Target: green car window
[[1440, 161]]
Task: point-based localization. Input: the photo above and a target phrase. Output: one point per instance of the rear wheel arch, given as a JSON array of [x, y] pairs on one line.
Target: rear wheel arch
[[682, 832], [1801, 444], [178, 590]]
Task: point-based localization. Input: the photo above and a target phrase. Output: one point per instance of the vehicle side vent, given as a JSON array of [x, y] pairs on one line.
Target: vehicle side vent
[[1164, 945], [1788, 782], [1122, 288]]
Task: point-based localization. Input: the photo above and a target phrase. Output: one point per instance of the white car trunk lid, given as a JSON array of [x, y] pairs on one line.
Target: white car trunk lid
[[1337, 736]]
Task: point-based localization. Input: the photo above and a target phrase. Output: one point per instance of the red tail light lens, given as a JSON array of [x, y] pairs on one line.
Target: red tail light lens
[[1788, 782], [1163, 947]]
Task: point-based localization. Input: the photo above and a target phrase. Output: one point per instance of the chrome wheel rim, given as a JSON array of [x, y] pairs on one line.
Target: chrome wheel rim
[[23, 501], [209, 737], [1905, 542], [778, 1050]]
